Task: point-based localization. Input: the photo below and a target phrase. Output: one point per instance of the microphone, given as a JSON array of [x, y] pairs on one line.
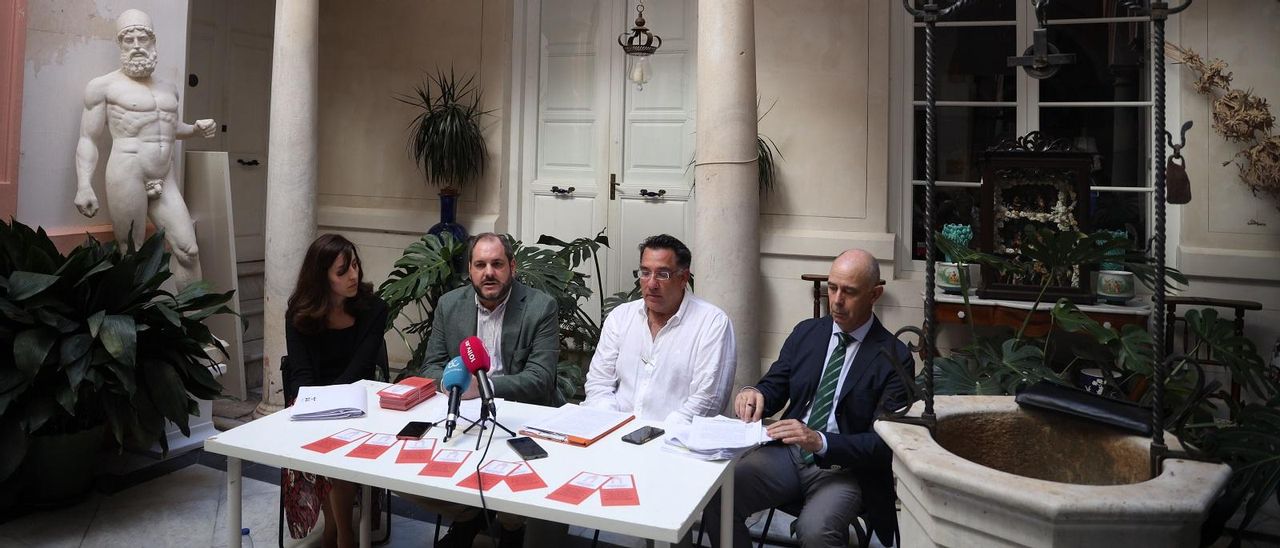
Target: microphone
[[476, 359], [454, 381]]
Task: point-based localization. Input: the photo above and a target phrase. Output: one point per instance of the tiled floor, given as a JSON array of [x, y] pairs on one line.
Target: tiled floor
[[187, 508]]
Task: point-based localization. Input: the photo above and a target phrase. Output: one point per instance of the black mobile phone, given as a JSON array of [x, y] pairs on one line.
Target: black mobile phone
[[414, 430], [643, 435], [527, 448]]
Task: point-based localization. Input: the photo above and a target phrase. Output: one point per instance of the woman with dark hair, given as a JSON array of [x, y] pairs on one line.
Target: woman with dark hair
[[333, 331]]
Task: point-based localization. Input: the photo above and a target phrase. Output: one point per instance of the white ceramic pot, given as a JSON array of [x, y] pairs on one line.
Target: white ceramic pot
[[1115, 286], [947, 276]]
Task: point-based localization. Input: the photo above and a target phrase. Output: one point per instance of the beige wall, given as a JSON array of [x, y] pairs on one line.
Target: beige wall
[[825, 70], [1226, 255], [369, 188], [370, 54]]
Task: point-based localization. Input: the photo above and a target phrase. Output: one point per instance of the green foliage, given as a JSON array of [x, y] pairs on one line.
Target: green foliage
[[445, 138], [1251, 446], [95, 339], [425, 273], [991, 367]]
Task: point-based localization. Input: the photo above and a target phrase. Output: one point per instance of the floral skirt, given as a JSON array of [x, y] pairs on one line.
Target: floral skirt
[[303, 493]]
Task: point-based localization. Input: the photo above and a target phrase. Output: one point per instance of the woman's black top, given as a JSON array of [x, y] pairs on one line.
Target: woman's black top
[[336, 356]]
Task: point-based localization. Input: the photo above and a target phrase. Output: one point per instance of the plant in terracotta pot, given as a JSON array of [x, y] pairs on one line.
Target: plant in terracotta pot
[[96, 345], [446, 141]]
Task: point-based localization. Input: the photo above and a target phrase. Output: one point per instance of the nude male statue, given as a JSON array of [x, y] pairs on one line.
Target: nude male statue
[[142, 114]]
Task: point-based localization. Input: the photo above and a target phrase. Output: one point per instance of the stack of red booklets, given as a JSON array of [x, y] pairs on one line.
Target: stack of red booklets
[[407, 393]]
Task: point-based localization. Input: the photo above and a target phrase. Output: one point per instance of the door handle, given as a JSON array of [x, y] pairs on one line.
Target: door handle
[[244, 162], [658, 194], [613, 186]]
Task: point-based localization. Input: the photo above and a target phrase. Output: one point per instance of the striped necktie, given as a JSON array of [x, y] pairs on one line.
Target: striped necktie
[[825, 398]]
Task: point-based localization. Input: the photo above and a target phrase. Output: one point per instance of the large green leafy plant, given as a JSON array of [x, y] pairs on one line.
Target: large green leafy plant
[[94, 339], [426, 271]]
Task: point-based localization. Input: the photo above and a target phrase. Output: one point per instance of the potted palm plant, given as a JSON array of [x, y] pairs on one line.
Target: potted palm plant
[[97, 347], [446, 141]]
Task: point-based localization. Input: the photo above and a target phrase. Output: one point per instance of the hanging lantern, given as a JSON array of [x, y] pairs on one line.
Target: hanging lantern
[[639, 44]]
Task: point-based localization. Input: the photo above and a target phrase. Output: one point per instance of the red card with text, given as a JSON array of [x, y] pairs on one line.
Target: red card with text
[[416, 451], [445, 463], [374, 447], [620, 490], [335, 441], [579, 488], [524, 478], [491, 474]]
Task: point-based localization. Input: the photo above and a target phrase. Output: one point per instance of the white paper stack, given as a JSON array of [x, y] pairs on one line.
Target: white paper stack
[[716, 438], [337, 401]]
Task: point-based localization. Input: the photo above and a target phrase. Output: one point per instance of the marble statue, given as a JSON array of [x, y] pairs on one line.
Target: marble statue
[[141, 113]]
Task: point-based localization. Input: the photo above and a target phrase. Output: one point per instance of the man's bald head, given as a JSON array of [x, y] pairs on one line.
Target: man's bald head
[[853, 286], [860, 263]]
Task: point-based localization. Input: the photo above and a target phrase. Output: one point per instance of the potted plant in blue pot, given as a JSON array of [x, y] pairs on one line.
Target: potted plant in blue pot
[[446, 141]]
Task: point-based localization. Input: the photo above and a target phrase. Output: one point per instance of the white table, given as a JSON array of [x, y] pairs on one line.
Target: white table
[[672, 488]]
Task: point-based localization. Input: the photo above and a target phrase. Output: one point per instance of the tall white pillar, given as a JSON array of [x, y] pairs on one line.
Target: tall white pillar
[[727, 238], [291, 176]]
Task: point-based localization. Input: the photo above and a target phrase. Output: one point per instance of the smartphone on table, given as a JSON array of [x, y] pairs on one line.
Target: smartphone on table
[[414, 430], [643, 435], [527, 448]]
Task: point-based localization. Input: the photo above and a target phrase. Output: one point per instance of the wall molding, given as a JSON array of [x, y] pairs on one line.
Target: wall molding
[[1241, 264], [396, 221], [825, 243], [13, 29]]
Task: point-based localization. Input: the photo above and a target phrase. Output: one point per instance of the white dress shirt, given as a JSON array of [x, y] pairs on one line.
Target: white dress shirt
[[683, 372], [489, 329], [859, 334]]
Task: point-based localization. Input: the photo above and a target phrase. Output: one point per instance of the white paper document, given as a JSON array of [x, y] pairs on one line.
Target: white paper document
[[337, 401], [576, 423], [716, 438]]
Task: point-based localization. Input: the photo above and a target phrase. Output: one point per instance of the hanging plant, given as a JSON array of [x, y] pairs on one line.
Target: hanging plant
[[1239, 116], [445, 138]]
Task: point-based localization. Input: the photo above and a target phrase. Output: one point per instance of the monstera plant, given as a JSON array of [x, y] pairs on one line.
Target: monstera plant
[[96, 342], [427, 270]]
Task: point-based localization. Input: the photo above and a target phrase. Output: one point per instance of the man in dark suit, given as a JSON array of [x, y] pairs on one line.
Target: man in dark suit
[[523, 325], [520, 326], [832, 375]]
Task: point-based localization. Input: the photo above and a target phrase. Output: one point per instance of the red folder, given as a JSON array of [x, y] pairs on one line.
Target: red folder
[[579, 488], [373, 447], [524, 478], [416, 451], [445, 463], [335, 441], [620, 490]]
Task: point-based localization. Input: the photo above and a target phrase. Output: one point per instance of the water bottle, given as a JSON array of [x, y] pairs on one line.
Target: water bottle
[[246, 541]]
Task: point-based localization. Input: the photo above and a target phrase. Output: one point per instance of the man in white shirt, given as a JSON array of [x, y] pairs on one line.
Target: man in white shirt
[[669, 356]]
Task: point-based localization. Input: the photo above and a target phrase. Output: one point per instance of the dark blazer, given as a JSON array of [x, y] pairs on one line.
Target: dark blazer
[[530, 342], [856, 448]]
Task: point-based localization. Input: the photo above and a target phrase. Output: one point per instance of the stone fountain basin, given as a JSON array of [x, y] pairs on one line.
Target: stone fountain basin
[[999, 475]]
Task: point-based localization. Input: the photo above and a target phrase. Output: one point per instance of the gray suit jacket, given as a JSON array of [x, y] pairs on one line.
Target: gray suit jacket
[[530, 342]]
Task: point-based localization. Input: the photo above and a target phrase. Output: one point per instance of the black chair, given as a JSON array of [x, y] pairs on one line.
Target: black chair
[[1188, 337]]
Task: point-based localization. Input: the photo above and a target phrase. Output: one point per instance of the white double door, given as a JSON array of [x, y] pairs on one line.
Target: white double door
[[599, 153]]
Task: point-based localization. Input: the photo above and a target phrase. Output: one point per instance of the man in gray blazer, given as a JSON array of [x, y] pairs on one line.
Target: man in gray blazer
[[519, 325]]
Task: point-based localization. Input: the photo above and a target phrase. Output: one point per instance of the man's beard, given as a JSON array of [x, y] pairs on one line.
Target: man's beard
[[138, 67], [502, 292]]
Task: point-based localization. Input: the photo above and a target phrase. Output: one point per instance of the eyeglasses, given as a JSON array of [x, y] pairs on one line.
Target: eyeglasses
[[661, 275]]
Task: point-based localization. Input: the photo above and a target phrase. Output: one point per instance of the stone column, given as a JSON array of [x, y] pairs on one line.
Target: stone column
[[291, 176], [726, 250]]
